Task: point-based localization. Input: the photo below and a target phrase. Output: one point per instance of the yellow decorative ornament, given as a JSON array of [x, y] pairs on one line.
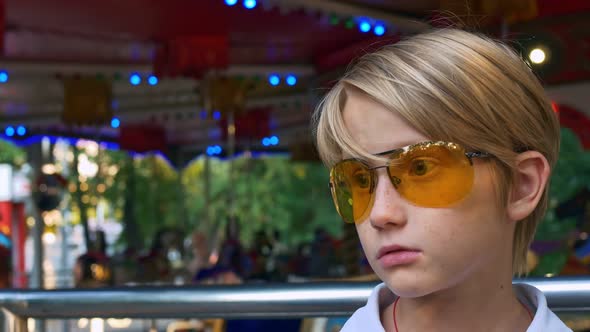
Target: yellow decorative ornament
[[225, 94], [87, 101]]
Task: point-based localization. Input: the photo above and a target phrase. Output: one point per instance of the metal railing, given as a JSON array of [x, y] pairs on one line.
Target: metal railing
[[291, 300]]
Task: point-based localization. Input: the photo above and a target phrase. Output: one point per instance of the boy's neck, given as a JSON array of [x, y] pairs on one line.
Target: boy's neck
[[475, 306]]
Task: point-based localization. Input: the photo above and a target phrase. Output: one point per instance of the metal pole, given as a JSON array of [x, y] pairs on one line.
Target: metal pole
[[231, 147], [36, 160], [38, 235], [207, 189], [37, 157], [564, 295]]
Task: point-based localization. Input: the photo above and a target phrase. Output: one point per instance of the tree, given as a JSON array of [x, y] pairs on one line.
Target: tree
[[270, 193], [11, 154], [570, 176]]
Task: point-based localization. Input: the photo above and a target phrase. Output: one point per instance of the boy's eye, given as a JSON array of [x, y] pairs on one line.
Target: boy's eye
[[361, 179], [421, 167]]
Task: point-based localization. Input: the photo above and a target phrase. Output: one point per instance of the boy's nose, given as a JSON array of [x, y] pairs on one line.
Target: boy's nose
[[389, 208]]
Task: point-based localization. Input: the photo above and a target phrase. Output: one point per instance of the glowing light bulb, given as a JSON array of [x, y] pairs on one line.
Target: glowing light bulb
[[291, 80], [250, 4], [274, 80], [379, 30], [365, 26], [537, 56], [115, 123]]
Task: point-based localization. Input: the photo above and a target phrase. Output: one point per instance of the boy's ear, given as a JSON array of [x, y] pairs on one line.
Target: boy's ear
[[530, 178]]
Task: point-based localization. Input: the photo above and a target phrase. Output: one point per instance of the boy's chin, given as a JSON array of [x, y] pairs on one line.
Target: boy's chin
[[408, 286]]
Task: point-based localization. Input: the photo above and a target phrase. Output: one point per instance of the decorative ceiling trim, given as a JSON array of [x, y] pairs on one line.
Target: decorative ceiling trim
[[348, 10]]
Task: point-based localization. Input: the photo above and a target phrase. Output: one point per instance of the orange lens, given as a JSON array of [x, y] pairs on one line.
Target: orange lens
[[352, 188], [430, 174]]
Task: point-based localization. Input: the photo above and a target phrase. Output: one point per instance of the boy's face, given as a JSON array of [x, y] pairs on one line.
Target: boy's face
[[444, 247]]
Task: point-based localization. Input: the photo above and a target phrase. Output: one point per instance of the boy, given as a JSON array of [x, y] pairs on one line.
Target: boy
[[440, 148]]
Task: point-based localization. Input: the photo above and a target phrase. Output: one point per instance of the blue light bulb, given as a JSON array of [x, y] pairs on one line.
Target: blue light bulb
[[265, 141], [115, 123], [9, 131], [274, 140], [379, 30], [135, 79], [291, 80], [152, 80], [274, 80], [249, 4], [231, 2], [21, 130], [365, 26], [3, 76]]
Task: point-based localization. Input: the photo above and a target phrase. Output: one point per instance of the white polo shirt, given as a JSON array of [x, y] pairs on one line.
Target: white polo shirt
[[367, 318]]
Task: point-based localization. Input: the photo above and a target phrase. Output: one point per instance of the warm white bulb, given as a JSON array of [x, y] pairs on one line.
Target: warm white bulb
[[96, 325], [82, 323], [119, 323], [49, 238], [537, 56]]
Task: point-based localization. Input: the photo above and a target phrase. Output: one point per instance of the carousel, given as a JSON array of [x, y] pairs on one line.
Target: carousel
[[138, 137]]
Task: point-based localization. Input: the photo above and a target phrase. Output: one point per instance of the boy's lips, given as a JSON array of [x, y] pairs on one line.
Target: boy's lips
[[392, 255]]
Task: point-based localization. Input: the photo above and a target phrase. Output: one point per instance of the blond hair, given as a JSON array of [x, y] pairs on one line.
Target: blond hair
[[455, 86]]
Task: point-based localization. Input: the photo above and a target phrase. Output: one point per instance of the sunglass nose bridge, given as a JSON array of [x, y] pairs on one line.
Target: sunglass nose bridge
[[395, 181]]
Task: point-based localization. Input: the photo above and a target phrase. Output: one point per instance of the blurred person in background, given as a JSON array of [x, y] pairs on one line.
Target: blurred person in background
[[93, 269]]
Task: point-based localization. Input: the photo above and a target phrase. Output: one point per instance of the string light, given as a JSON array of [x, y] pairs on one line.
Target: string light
[[274, 80], [214, 150], [268, 141], [152, 80], [3, 76], [291, 80], [9, 131], [334, 20], [365, 26], [379, 30], [21, 130], [115, 123], [250, 4], [349, 24], [135, 79]]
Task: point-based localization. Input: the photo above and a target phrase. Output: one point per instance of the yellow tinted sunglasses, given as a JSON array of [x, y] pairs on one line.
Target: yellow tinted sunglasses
[[427, 174]]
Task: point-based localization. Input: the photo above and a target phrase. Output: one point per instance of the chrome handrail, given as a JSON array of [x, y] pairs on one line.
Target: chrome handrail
[[287, 300]]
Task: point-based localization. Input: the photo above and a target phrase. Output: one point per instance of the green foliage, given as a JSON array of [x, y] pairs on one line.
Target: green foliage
[[11, 154], [269, 194], [572, 172], [154, 198], [551, 263], [570, 176]]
